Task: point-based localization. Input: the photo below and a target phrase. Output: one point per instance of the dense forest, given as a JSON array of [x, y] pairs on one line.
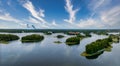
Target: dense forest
[[101, 44], [8, 37], [73, 40], [32, 38]]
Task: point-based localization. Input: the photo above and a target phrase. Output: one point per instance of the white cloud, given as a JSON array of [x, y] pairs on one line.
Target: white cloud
[[89, 23], [105, 14], [37, 23], [8, 17], [96, 5], [54, 23], [36, 14], [33, 20], [83, 23], [41, 13], [72, 12], [111, 16], [4, 27]]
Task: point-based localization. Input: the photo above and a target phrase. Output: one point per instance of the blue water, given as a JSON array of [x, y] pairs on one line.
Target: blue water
[[48, 53]]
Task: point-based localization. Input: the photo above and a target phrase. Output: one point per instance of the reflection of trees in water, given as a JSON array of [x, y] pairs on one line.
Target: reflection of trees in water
[[94, 56]]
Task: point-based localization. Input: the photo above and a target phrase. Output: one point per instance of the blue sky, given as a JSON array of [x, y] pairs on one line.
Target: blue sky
[[60, 14]]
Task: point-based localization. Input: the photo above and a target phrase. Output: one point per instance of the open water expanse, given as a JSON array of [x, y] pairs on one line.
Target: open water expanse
[[48, 53]]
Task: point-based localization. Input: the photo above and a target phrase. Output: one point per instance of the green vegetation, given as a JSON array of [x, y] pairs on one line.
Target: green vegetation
[[48, 33], [101, 33], [58, 30], [88, 35], [83, 36], [59, 36], [98, 45], [32, 38], [95, 55], [80, 36], [8, 37], [76, 39], [115, 38], [73, 41], [58, 42]]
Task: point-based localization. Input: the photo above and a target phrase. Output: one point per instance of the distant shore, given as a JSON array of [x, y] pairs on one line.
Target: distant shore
[[57, 30]]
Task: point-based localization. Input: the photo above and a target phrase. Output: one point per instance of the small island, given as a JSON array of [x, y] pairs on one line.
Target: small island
[[59, 36], [73, 40], [76, 40], [101, 33], [48, 33], [8, 37], [88, 35], [80, 36], [32, 38], [100, 45], [84, 36], [57, 42]]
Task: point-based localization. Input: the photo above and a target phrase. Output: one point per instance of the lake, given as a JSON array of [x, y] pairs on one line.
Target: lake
[[48, 53]]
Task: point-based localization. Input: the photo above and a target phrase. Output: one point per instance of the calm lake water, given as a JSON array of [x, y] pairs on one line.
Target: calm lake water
[[48, 53]]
